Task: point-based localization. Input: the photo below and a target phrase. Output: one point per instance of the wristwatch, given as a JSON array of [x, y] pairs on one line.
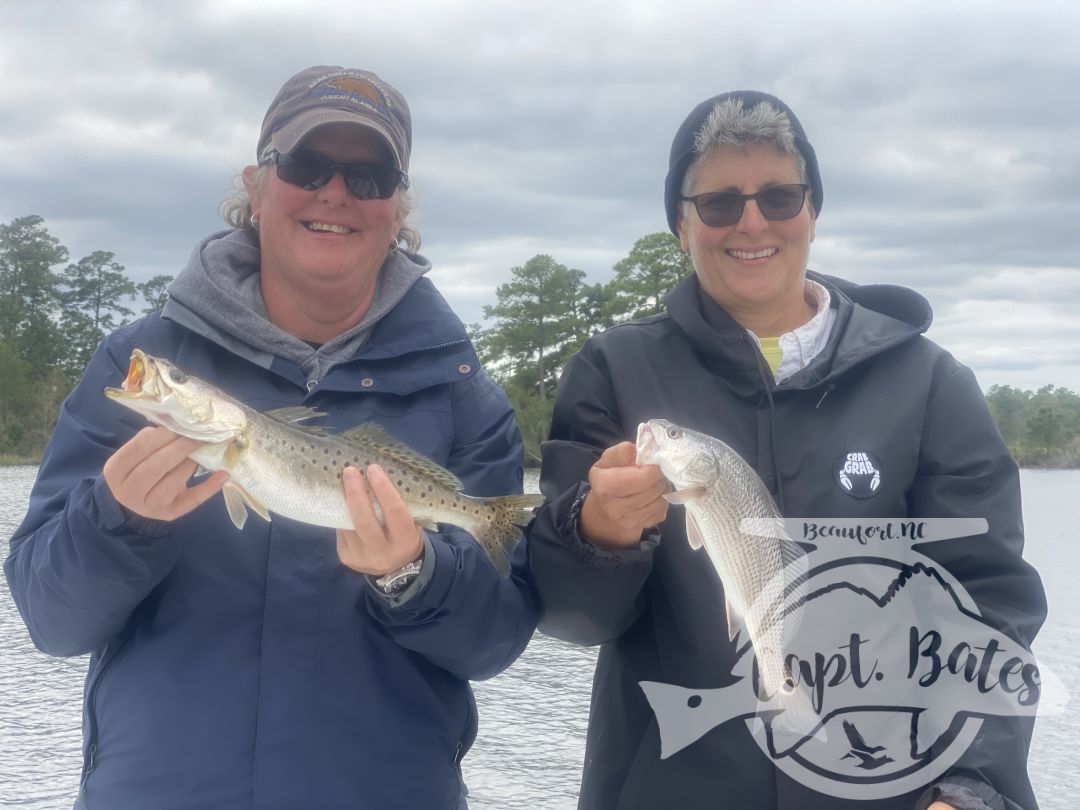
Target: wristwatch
[[397, 581]]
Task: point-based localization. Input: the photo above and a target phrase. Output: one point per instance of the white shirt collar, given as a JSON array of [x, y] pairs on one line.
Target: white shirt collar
[[799, 346]]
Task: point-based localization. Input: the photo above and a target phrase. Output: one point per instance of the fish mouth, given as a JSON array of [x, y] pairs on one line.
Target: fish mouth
[[647, 446], [136, 372], [136, 376]]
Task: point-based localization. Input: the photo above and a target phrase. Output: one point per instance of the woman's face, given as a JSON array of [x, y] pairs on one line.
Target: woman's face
[[756, 268], [325, 241]]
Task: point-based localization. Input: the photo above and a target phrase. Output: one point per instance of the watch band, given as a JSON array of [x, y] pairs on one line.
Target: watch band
[[397, 581]]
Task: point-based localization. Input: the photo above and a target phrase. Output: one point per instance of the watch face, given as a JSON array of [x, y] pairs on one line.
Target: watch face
[[400, 584]]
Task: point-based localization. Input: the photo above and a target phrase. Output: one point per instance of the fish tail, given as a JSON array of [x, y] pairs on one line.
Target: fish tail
[[683, 716], [500, 527]]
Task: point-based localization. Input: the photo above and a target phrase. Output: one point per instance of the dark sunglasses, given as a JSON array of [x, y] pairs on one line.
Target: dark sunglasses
[[365, 181], [718, 209]]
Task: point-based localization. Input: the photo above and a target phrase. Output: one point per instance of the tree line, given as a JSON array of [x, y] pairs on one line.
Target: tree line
[[54, 313], [50, 323]]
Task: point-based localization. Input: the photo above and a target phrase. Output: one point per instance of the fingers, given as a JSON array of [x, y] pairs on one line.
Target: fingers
[[148, 475], [624, 499], [191, 497], [377, 547], [636, 483], [623, 454], [396, 515]]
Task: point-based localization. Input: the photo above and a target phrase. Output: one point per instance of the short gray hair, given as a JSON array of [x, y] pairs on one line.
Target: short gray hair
[[235, 208], [730, 124]]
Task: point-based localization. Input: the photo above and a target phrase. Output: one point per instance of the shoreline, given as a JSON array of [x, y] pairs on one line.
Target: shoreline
[[30, 461], [19, 461]]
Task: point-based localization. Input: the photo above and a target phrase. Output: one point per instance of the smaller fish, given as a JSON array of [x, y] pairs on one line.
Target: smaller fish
[[720, 492], [276, 465]]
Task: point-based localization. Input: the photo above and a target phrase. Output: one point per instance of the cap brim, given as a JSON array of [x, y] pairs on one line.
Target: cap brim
[[286, 139]]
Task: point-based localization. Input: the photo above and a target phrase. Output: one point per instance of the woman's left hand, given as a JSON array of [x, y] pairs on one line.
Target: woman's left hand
[[376, 548]]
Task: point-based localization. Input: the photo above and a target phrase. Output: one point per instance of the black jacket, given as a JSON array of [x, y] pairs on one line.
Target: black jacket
[[878, 386]]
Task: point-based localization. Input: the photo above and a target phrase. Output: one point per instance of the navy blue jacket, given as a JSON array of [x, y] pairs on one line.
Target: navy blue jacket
[[251, 669]]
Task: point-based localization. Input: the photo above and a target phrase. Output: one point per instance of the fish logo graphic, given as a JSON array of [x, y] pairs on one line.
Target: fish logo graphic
[[350, 88], [358, 87], [900, 688]]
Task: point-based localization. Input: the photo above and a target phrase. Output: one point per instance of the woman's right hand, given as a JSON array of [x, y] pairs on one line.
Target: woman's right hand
[[148, 475], [624, 499]]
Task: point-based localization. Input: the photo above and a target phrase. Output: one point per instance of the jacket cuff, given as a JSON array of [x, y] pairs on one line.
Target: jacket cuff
[[593, 554], [119, 520], [963, 793]]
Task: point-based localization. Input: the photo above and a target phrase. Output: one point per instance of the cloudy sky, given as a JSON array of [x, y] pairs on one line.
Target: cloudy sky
[[948, 135]]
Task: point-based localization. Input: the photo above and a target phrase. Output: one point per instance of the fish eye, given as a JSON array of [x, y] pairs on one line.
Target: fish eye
[[674, 433], [177, 376]]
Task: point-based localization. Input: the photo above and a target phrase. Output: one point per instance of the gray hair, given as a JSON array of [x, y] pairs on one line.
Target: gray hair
[[729, 124], [235, 208]]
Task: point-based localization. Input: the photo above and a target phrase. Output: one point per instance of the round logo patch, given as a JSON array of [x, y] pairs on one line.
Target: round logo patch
[[858, 473]]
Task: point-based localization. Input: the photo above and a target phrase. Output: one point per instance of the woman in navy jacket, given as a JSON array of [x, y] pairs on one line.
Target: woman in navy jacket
[[282, 666]]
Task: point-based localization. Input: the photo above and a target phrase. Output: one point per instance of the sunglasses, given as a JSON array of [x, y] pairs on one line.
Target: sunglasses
[[718, 209], [365, 181]]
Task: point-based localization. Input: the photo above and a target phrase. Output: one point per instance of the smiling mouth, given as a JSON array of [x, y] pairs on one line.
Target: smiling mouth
[[764, 253], [326, 227]]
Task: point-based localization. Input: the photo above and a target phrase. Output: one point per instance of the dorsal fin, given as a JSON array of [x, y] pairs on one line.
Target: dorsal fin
[[371, 436]]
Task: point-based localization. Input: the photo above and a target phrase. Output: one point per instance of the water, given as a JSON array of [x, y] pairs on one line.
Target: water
[[533, 716]]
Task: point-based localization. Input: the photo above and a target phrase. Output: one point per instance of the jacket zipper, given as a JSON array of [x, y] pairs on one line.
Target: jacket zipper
[[455, 342], [91, 718]]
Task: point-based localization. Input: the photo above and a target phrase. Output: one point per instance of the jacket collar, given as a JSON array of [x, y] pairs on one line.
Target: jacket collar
[[869, 320]]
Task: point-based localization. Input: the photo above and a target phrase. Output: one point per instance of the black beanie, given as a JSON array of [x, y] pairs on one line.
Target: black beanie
[[683, 154]]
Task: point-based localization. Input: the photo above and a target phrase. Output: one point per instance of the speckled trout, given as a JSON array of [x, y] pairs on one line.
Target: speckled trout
[[723, 495], [277, 465]]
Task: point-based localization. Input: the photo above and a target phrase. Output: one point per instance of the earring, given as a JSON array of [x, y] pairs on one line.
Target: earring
[[254, 221]]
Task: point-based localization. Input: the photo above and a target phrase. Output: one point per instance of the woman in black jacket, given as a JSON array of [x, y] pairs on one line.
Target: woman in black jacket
[[845, 410]]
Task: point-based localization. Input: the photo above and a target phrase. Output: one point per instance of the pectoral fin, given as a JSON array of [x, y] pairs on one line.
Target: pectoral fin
[[693, 532], [732, 622], [681, 496], [237, 502]]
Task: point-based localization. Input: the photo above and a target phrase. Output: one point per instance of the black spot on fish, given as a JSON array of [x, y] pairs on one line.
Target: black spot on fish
[[694, 701]]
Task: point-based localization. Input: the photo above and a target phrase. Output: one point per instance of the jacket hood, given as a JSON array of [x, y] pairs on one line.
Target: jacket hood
[[891, 300], [218, 295], [869, 320]]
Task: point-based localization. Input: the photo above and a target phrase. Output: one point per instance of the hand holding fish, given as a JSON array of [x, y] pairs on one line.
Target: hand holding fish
[[275, 464], [624, 500], [148, 475], [373, 548]]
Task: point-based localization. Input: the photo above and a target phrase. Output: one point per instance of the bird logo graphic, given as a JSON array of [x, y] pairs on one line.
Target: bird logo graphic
[[863, 752]]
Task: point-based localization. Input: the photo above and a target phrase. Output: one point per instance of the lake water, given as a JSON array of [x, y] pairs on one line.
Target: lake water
[[532, 717]]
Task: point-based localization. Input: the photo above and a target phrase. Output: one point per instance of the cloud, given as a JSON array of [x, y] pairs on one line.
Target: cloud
[[947, 135]]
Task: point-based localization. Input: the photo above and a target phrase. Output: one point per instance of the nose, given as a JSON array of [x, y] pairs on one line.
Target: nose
[[335, 191], [752, 220]]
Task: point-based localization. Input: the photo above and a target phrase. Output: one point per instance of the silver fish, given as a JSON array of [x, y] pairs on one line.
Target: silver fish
[[720, 491], [276, 465]]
